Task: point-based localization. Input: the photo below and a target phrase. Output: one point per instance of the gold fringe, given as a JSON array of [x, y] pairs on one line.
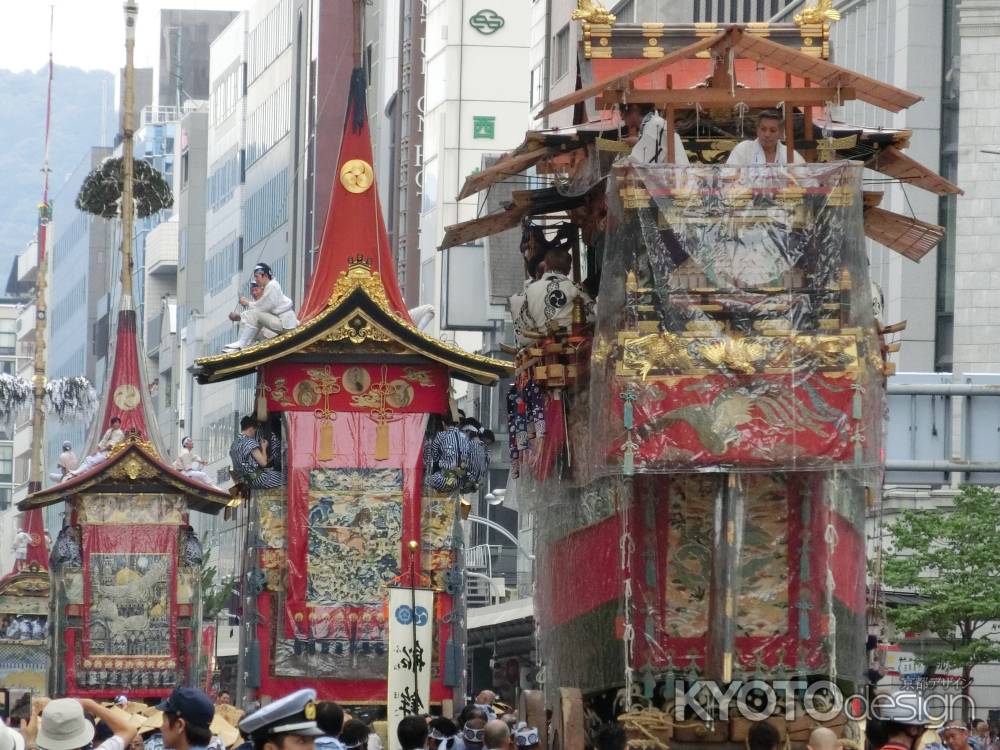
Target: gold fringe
[[327, 445], [382, 441]]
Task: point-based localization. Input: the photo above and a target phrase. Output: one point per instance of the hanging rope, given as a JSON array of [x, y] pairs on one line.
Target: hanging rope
[[831, 537]]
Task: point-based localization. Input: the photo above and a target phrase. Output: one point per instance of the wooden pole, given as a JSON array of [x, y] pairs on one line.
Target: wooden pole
[[128, 201], [789, 124], [669, 114]]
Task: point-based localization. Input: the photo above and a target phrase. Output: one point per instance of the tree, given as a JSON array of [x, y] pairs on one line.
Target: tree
[[214, 596], [950, 558]]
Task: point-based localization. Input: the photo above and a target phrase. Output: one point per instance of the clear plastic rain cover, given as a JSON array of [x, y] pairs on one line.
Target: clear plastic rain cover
[[734, 335], [735, 326]]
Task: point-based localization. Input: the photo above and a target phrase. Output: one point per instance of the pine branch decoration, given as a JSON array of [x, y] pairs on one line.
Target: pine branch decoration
[[101, 192]]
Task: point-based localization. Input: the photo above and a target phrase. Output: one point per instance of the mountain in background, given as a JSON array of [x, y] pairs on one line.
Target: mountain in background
[[76, 126]]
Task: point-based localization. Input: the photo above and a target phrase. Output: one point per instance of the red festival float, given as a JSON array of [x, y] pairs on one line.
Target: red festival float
[[698, 457], [349, 394], [126, 565]]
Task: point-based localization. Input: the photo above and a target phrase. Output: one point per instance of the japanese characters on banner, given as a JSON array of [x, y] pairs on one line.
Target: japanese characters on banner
[[411, 629]]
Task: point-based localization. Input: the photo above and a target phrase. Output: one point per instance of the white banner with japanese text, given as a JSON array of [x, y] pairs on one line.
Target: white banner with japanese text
[[411, 630]]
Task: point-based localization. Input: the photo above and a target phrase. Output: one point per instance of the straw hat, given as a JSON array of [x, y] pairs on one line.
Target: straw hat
[[136, 720], [152, 723], [229, 713], [225, 731]]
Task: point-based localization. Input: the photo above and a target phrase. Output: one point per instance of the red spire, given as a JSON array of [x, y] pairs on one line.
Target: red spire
[[354, 224], [126, 399]]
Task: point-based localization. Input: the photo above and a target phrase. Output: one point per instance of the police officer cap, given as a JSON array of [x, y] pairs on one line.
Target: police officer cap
[[293, 714]]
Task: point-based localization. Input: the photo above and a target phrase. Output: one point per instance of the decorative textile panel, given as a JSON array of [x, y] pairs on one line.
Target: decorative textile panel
[[130, 580], [349, 517]]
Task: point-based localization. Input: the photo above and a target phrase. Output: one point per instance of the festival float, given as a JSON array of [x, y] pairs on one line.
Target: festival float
[[124, 611], [24, 592], [700, 457], [349, 395]]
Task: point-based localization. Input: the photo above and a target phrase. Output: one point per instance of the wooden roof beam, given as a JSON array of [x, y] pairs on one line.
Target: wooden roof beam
[[624, 81], [713, 97], [822, 72]]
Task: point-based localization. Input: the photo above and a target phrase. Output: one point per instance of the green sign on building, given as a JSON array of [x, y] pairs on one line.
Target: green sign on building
[[487, 21], [483, 127]]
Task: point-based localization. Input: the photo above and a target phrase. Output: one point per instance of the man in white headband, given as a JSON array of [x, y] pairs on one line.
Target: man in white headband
[[273, 310]]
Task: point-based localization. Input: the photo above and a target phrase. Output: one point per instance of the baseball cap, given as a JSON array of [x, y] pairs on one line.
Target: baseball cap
[[63, 726], [190, 704]]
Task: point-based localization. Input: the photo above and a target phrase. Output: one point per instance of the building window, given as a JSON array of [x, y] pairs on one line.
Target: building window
[[948, 204], [224, 175], [560, 54], [6, 464], [266, 209], [269, 123], [537, 85], [8, 336], [222, 264], [269, 38], [729, 11], [227, 90], [369, 56]]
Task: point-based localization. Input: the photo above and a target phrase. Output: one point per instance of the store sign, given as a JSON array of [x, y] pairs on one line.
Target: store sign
[[487, 21], [411, 648], [484, 127]]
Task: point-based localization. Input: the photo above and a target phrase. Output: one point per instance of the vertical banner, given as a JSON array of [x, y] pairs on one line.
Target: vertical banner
[[411, 629]]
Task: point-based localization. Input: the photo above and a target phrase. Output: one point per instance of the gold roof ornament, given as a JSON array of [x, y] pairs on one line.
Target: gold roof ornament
[[593, 12], [822, 12], [359, 274]]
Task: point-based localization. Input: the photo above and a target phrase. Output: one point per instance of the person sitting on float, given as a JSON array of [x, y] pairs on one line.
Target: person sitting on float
[[273, 310], [646, 134], [447, 456], [249, 456], [66, 463], [767, 148], [548, 302], [112, 436], [190, 464], [256, 290]]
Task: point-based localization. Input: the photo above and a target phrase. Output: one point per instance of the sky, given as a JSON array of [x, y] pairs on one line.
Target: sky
[[88, 34]]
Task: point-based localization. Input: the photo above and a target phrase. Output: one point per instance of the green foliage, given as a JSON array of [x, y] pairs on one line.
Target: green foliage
[[951, 560], [214, 594], [101, 191]]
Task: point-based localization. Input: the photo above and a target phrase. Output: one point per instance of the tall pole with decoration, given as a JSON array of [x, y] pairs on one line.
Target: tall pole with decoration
[[128, 203], [32, 522]]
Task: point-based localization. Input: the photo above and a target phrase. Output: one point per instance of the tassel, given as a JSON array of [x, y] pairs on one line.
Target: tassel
[[358, 108], [382, 441], [261, 404], [327, 444]]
